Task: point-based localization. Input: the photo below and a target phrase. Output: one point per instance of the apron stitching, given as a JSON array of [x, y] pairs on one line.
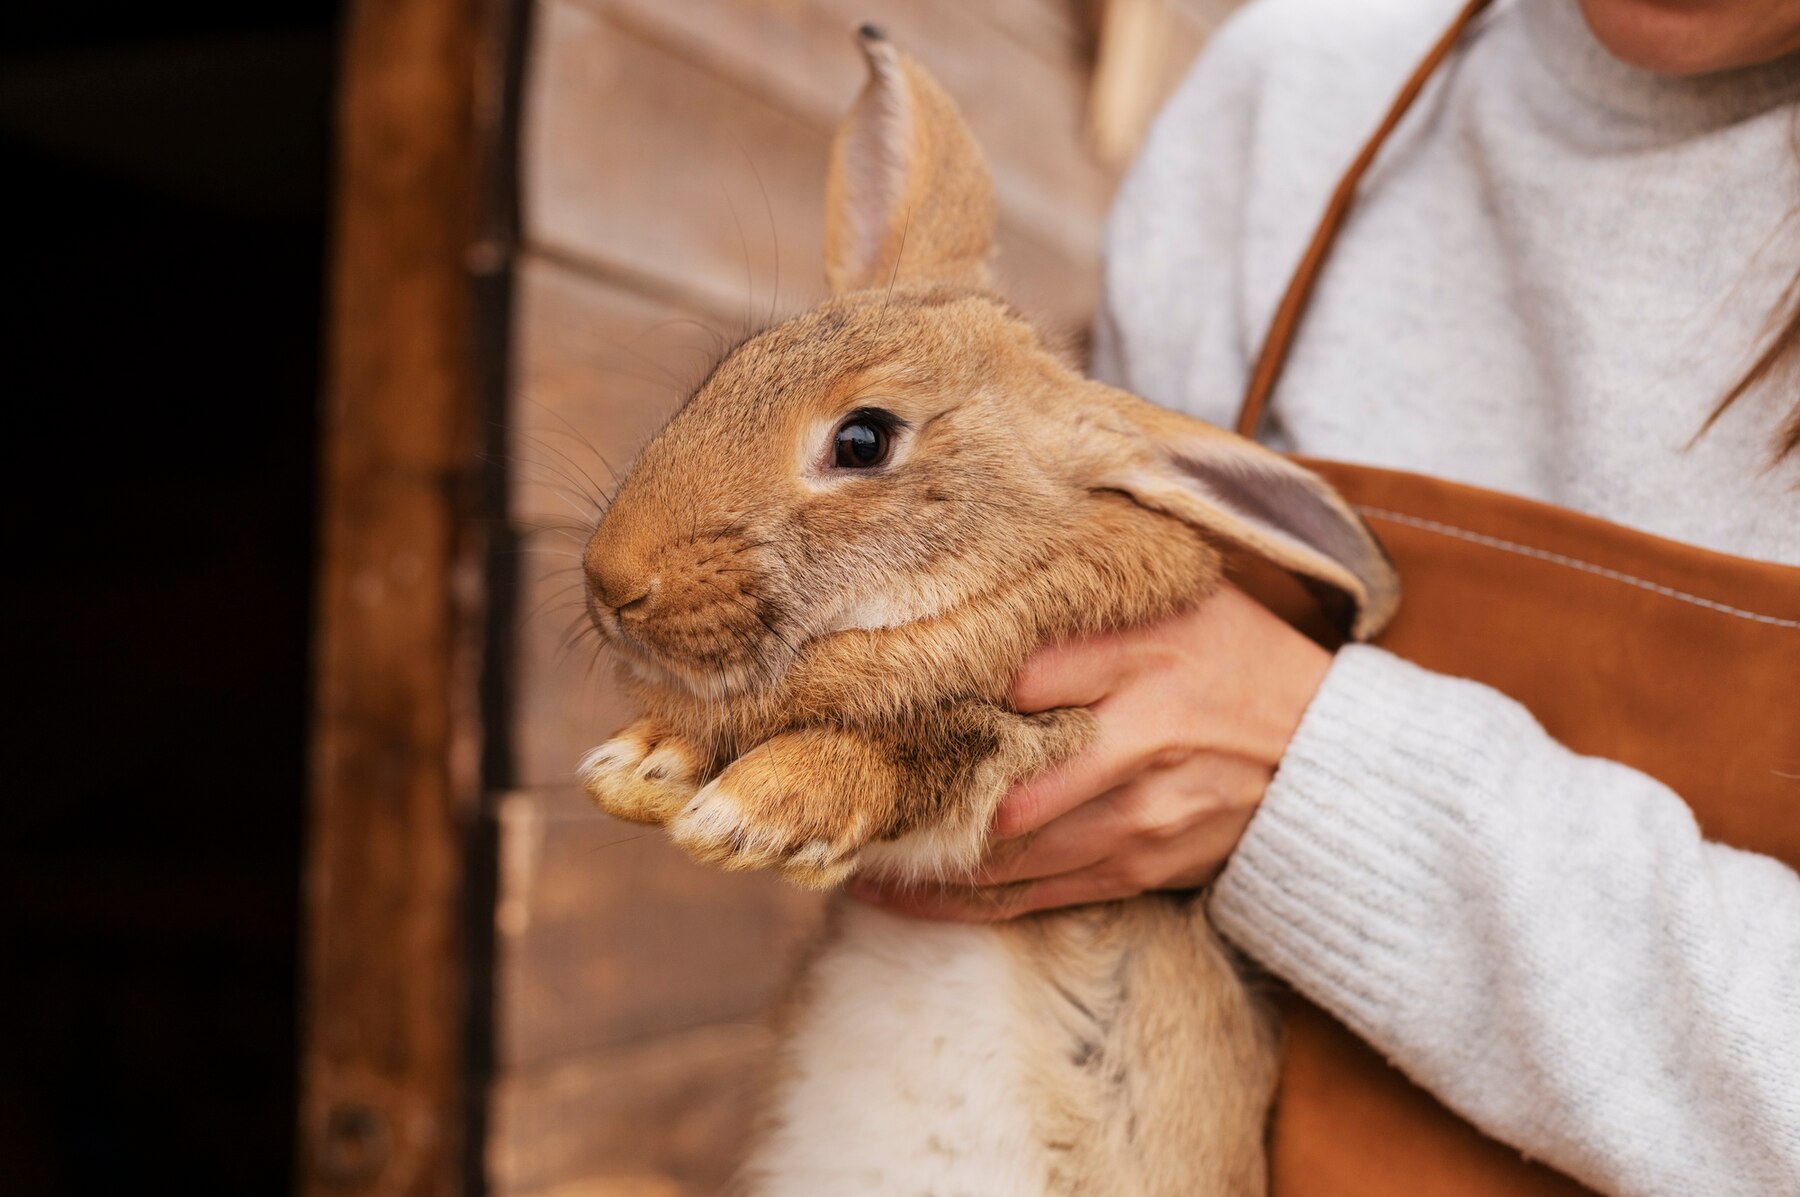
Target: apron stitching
[[1589, 567]]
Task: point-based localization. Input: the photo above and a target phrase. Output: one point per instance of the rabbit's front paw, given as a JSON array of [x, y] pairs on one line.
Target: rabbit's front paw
[[645, 774], [804, 802]]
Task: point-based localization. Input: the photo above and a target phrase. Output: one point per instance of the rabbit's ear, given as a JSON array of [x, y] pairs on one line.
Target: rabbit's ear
[[1261, 501], [909, 196]]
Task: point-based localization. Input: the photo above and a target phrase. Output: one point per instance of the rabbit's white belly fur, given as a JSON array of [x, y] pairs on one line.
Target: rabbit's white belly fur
[[904, 1078]]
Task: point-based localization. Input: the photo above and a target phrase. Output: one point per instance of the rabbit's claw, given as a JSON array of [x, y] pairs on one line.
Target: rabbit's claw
[[645, 774], [786, 805]]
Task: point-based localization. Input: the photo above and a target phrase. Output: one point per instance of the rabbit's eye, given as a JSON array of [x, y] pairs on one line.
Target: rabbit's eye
[[862, 443]]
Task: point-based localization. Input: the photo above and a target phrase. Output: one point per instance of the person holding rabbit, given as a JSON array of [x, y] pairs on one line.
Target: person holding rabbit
[[1560, 325]]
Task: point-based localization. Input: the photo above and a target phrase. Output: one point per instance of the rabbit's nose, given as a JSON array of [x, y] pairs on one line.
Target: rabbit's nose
[[617, 581], [622, 596], [634, 602]]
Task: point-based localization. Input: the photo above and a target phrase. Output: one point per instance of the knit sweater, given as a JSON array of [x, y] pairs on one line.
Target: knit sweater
[[1559, 264]]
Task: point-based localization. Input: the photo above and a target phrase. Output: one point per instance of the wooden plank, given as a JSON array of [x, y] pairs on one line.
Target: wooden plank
[[607, 933], [639, 1185], [1026, 110], [668, 1117], [565, 700], [651, 168], [599, 368], [670, 180], [384, 1104], [1145, 49], [1059, 31], [1056, 292]]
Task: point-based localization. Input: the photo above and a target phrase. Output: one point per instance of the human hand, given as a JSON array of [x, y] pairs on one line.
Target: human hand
[[1193, 715]]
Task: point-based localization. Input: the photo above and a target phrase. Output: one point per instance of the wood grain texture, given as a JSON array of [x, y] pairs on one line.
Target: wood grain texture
[[1060, 31], [696, 184], [640, 163], [598, 367], [1024, 107], [384, 1105], [609, 935], [566, 700], [666, 1116]]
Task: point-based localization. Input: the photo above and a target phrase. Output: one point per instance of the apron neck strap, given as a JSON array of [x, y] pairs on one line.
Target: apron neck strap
[[1293, 303]]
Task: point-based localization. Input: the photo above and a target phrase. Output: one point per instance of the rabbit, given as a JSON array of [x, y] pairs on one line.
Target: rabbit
[[819, 580]]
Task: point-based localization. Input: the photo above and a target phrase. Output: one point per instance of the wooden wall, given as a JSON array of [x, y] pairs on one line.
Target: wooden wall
[[673, 165]]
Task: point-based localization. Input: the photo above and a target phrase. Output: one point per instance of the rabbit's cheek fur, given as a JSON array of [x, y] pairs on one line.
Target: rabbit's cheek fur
[[877, 611], [958, 525], [710, 638], [708, 612]]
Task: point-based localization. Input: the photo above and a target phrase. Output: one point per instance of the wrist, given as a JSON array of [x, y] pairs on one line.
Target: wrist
[[1261, 675]]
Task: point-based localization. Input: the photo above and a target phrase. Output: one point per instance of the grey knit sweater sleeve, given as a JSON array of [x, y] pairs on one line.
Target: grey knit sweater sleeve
[[1541, 939]]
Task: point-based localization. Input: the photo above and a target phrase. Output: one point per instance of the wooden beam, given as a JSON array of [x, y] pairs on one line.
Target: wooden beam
[[610, 935], [663, 1117], [392, 952]]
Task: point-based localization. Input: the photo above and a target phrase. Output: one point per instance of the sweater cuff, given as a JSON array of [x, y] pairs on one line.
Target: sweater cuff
[[1345, 877]]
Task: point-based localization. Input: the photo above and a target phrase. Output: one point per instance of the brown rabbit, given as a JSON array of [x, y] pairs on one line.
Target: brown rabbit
[[820, 579]]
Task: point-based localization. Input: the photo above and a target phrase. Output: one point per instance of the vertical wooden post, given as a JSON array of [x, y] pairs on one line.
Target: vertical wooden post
[[386, 1103], [1129, 71]]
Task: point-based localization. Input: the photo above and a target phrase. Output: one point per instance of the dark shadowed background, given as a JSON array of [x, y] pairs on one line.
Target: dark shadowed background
[[165, 194]]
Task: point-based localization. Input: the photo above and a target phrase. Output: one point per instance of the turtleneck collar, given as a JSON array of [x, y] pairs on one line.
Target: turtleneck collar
[[1560, 36]]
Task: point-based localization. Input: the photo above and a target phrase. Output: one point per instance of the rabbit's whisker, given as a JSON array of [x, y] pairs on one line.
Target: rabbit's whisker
[[570, 430], [888, 298], [540, 441], [774, 236], [764, 620], [629, 839], [573, 634], [572, 472], [556, 600]]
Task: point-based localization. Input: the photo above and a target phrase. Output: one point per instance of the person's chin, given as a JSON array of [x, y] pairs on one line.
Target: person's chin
[[1681, 37]]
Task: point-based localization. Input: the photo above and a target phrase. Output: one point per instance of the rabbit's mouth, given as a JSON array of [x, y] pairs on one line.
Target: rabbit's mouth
[[713, 649]]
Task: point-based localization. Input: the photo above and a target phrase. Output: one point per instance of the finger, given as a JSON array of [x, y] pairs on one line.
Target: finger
[[1107, 763], [1077, 674], [998, 903], [1083, 887], [1084, 836]]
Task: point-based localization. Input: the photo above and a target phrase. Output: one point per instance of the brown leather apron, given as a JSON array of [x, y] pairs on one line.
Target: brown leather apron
[[1677, 661]]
